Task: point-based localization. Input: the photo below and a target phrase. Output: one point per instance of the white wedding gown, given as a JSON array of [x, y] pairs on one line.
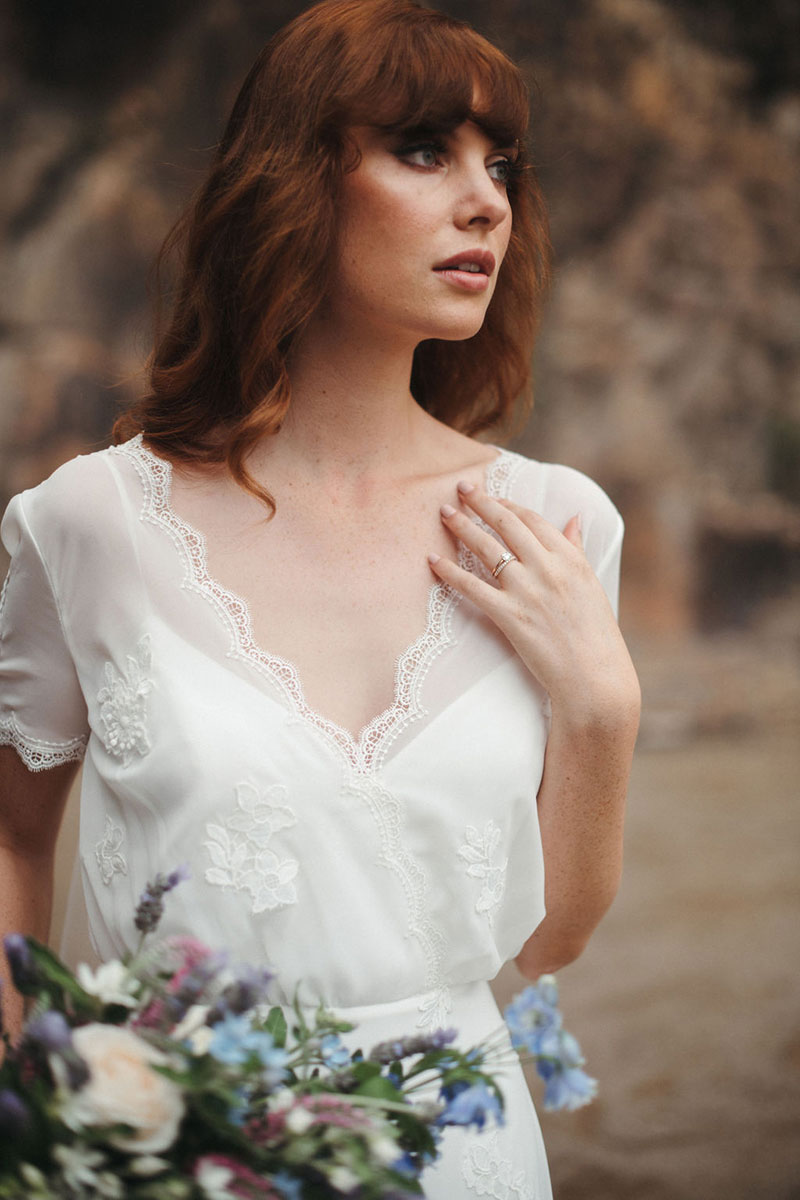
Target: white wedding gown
[[391, 875]]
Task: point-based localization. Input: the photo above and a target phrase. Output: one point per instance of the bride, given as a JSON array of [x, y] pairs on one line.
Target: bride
[[358, 668]]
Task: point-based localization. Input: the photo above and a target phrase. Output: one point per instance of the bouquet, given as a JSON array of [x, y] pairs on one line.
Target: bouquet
[[167, 1076]]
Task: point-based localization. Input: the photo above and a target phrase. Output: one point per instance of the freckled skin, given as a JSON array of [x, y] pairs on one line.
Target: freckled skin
[[401, 217]]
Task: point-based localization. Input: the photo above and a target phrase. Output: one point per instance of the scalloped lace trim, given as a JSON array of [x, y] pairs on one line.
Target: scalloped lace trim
[[388, 812], [36, 753], [365, 753]]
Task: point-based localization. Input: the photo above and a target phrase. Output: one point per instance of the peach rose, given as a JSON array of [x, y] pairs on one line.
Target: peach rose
[[124, 1089]]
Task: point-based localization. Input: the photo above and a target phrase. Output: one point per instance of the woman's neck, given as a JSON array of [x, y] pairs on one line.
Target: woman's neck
[[352, 415]]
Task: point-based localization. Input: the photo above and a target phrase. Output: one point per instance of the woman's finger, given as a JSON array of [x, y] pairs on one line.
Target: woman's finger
[[482, 544], [484, 595], [502, 519], [543, 530], [572, 531]]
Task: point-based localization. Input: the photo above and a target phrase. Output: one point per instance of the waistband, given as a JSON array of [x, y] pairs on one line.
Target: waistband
[[470, 1008]]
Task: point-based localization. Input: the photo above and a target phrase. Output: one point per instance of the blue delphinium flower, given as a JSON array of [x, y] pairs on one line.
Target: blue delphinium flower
[[566, 1087], [289, 1187], [534, 1022], [334, 1051], [471, 1105], [533, 1017], [234, 1041]]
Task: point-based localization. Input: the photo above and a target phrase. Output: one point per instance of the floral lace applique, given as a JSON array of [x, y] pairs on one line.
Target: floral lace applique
[[123, 705], [108, 853], [478, 852], [487, 1173], [242, 853]]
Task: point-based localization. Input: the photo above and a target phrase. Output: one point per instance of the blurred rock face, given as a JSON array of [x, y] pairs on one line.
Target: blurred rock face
[[666, 137]]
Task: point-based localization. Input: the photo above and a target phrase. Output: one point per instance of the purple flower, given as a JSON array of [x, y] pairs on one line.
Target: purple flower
[[386, 1052], [150, 908], [14, 1114], [471, 1105], [20, 960], [248, 989], [50, 1031]]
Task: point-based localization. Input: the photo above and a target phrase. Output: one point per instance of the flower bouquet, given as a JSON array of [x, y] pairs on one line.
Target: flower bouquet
[[166, 1076]]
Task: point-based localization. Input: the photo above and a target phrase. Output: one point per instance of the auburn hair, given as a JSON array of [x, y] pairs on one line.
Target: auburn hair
[[256, 246]]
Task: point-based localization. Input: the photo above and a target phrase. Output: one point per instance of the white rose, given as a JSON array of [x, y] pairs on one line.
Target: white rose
[[123, 1089]]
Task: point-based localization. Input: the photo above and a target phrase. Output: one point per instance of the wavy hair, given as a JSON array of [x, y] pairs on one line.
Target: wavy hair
[[254, 250]]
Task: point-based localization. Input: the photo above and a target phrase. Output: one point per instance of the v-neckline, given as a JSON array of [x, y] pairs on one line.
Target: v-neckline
[[365, 751]]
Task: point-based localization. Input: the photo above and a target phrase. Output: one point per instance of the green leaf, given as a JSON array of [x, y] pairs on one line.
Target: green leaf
[[380, 1087], [276, 1025], [55, 975]]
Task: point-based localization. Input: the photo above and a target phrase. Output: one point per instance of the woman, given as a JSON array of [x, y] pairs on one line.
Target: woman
[[215, 609]]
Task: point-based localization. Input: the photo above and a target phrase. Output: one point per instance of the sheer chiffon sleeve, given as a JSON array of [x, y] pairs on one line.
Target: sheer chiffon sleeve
[[42, 710]]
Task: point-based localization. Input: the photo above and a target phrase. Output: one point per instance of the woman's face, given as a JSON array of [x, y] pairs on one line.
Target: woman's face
[[425, 225]]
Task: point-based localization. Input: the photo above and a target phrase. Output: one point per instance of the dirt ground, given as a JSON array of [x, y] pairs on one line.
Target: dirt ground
[[687, 1001]]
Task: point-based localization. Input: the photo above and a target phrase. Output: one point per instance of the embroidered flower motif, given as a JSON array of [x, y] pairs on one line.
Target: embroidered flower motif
[[487, 1173], [110, 858], [242, 854], [123, 705], [478, 851]]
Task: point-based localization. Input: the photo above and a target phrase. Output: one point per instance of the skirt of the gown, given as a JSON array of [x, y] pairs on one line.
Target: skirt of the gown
[[505, 1162]]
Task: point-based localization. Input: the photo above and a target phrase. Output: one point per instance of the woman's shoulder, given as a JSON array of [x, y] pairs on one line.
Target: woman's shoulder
[[558, 492], [80, 497]]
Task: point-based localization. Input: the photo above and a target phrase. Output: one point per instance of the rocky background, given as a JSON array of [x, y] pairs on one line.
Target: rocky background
[[667, 138]]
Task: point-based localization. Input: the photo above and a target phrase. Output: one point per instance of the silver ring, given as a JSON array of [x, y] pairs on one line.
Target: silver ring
[[505, 558]]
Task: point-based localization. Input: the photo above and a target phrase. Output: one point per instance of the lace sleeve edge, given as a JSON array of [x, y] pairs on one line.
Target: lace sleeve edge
[[36, 753]]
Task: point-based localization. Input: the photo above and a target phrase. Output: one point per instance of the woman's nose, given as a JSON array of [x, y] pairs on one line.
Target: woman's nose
[[482, 201]]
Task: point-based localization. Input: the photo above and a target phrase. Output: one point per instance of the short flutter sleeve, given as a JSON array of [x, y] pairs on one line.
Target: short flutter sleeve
[[42, 709]]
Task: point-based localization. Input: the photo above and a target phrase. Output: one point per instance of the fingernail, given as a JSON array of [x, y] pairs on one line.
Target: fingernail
[[447, 510], [433, 559], [579, 522], [464, 487]]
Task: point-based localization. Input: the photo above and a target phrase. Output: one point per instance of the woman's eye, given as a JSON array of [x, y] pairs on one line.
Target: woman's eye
[[427, 154], [502, 169]]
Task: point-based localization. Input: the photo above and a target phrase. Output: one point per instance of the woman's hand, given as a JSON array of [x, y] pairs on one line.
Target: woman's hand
[[549, 604]]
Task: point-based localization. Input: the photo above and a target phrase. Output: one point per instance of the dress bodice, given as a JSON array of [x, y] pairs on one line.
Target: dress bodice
[[404, 862]]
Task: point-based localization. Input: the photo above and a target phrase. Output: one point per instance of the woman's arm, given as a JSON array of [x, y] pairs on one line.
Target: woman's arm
[[552, 608], [581, 810], [31, 807]]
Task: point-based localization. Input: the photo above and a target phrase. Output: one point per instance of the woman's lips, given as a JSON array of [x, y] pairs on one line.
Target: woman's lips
[[470, 281], [469, 270]]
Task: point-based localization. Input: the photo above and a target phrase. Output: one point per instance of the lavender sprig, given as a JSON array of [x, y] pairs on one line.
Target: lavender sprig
[[150, 908]]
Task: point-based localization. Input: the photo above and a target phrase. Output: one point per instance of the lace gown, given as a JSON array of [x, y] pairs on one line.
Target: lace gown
[[391, 875]]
